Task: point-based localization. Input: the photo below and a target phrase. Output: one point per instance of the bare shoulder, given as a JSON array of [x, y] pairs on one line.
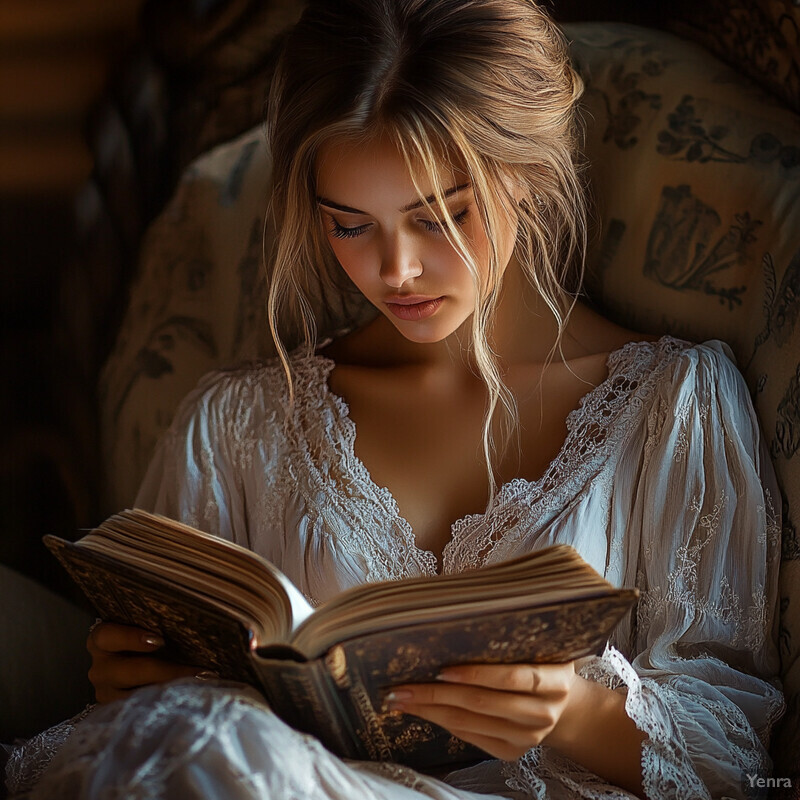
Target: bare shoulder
[[591, 334], [588, 341]]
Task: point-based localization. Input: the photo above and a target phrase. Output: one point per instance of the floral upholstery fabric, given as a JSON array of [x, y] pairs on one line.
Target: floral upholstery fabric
[[696, 177], [759, 37]]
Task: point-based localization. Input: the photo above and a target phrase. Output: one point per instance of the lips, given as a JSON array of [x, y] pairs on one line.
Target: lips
[[414, 307], [409, 299]]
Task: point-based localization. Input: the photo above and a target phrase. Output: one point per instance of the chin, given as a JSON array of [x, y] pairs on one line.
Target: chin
[[425, 333], [422, 339]]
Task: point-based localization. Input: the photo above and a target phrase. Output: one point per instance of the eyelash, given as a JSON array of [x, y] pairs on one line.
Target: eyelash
[[437, 227], [340, 232]]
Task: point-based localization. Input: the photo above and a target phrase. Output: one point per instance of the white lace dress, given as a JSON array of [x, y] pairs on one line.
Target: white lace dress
[[663, 483]]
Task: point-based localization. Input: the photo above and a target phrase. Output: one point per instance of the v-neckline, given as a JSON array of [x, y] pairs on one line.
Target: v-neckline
[[363, 475]]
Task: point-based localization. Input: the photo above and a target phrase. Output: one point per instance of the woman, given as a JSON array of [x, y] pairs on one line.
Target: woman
[[424, 155]]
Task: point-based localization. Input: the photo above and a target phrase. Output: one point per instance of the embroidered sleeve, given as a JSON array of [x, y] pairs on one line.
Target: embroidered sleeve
[[701, 672], [197, 472]]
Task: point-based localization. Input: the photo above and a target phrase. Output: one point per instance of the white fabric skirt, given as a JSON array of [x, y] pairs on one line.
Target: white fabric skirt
[[216, 741]]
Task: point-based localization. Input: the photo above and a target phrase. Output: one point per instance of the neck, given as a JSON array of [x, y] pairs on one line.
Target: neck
[[525, 329]]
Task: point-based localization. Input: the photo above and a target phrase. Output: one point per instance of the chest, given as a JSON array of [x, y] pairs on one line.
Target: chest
[[423, 441]]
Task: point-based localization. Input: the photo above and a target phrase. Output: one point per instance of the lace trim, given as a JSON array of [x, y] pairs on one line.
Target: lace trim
[[354, 508], [542, 765], [667, 770], [523, 775], [144, 717], [603, 418], [385, 540], [667, 773], [28, 760]]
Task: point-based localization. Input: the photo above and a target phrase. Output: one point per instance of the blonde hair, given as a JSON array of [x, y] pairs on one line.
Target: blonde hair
[[486, 83]]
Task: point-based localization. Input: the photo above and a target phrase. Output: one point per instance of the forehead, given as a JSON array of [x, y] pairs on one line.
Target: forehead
[[375, 169]]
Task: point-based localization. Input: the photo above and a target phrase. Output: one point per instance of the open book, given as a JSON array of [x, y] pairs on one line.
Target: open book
[[326, 671]]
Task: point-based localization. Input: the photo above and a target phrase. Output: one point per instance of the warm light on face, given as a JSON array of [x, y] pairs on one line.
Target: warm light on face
[[393, 248]]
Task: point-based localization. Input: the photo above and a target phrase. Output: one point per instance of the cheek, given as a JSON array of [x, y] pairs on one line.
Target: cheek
[[505, 241], [479, 245], [353, 260]]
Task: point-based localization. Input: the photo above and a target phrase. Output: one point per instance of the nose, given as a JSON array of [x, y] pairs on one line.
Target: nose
[[400, 262]]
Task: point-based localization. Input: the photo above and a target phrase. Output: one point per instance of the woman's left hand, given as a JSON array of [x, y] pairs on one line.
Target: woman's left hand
[[505, 709]]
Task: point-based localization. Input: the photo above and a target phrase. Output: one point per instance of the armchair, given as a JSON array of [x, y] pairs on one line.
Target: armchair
[[695, 172], [696, 176]]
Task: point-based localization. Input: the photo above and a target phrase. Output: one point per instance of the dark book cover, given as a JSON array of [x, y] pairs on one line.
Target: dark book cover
[[196, 631], [339, 697], [345, 689]]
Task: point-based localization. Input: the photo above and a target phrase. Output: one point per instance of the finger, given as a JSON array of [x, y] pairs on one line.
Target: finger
[[120, 672], [499, 748], [110, 637], [542, 679], [470, 724], [522, 709]]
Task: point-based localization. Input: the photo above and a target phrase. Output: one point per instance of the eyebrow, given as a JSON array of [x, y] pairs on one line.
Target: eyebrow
[[324, 201]]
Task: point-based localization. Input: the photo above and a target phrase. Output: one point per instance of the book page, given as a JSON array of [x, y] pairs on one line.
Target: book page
[[175, 548], [553, 575]]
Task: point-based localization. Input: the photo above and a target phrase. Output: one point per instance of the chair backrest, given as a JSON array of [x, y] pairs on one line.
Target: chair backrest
[[696, 175]]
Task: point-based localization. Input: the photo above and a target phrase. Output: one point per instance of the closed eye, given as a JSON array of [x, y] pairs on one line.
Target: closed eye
[[340, 232], [439, 225]]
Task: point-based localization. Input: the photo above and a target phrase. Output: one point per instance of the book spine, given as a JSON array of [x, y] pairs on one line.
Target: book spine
[[302, 695], [384, 735], [365, 725]]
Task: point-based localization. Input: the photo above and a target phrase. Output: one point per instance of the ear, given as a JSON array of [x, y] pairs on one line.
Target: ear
[[516, 189]]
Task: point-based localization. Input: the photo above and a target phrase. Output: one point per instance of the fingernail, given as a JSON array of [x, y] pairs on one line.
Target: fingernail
[[446, 675], [153, 639], [399, 696], [206, 675]]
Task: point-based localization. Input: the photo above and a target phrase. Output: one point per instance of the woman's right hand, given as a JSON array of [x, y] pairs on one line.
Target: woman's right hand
[[125, 658]]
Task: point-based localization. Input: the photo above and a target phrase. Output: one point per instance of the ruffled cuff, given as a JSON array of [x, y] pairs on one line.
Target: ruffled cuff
[[667, 772]]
